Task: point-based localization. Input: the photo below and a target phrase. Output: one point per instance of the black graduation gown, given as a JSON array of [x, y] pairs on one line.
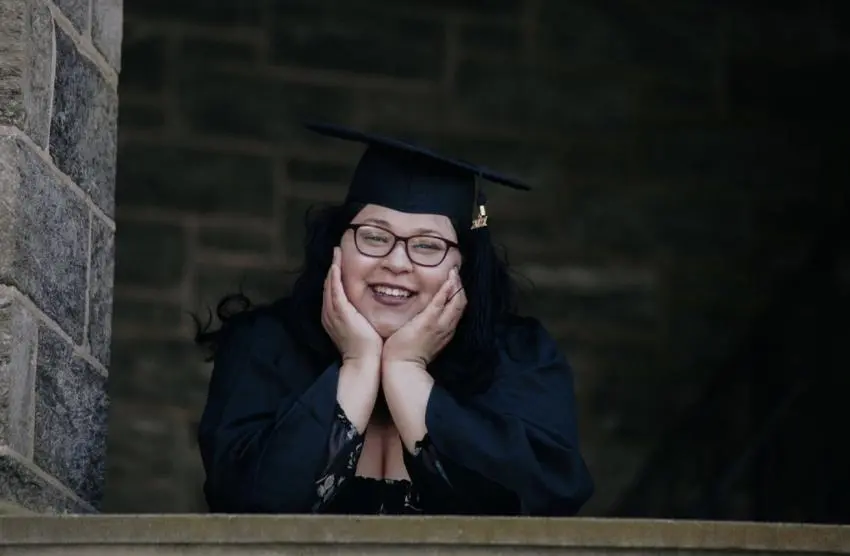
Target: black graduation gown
[[274, 440]]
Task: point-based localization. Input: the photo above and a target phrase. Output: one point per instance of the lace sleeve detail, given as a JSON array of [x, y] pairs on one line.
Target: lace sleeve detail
[[425, 455], [344, 446]]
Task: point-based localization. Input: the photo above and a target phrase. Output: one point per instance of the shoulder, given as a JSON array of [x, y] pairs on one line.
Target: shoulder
[[259, 345]]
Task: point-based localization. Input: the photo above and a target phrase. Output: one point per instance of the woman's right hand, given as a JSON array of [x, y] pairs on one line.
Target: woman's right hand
[[354, 336]]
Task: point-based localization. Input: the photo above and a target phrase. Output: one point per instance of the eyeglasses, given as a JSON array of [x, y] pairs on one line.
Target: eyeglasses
[[423, 250]]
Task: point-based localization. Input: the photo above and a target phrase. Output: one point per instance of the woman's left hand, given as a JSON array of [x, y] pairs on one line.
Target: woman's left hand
[[422, 338]]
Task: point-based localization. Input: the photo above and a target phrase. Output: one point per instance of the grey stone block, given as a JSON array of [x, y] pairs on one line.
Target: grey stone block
[[84, 125], [77, 11], [101, 280], [43, 236], [18, 337], [22, 485], [107, 29], [70, 417], [26, 67]]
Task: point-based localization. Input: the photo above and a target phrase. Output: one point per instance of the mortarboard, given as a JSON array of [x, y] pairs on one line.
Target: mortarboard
[[409, 178]]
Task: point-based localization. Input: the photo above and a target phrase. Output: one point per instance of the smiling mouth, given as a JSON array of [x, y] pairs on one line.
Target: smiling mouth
[[392, 292]]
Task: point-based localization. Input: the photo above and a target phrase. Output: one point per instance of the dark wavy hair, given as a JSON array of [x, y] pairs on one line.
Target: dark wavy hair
[[466, 364]]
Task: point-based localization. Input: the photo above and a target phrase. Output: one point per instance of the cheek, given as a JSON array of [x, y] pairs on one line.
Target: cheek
[[353, 272], [433, 281]]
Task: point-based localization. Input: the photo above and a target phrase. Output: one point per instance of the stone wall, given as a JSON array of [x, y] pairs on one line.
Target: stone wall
[[58, 122], [670, 185]]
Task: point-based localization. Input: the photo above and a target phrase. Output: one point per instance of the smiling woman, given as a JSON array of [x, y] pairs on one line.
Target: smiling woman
[[388, 285], [396, 377]]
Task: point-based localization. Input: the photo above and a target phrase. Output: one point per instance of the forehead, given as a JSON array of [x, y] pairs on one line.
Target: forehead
[[407, 222]]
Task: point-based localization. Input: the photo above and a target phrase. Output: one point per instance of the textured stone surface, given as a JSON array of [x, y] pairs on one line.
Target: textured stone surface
[[153, 451], [26, 67], [148, 176], [293, 226], [18, 337], [13, 23], [260, 284], [143, 57], [238, 239], [246, 12], [101, 281], [132, 315], [43, 236], [137, 243], [141, 116], [41, 59], [21, 484], [266, 107], [84, 125], [174, 370], [107, 29], [369, 42], [77, 11], [70, 417]]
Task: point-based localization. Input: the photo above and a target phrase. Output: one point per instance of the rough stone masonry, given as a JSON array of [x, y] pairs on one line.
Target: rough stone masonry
[[59, 65]]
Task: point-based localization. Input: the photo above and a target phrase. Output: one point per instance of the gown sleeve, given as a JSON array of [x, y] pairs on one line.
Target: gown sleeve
[[513, 449], [345, 447], [272, 432]]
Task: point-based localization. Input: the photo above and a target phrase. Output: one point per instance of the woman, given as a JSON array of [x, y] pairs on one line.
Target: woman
[[396, 377]]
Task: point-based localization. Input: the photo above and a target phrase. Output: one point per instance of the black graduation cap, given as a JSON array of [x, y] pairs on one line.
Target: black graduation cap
[[409, 178]]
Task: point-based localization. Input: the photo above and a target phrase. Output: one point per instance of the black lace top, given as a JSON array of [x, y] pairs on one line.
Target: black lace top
[[340, 491]]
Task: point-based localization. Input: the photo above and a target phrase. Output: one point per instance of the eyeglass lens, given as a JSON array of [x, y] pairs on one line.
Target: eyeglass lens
[[422, 250]]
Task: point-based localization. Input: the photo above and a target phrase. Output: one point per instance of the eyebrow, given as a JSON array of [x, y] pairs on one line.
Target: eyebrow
[[385, 224]]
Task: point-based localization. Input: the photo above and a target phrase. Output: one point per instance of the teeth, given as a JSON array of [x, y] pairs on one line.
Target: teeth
[[393, 292]]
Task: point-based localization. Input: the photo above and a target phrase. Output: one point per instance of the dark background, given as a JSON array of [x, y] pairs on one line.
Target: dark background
[[687, 234]]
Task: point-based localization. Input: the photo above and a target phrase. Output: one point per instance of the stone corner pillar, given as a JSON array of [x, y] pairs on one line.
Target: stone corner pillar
[[59, 64]]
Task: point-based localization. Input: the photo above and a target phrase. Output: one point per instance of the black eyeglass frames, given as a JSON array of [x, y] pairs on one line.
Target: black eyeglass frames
[[423, 250]]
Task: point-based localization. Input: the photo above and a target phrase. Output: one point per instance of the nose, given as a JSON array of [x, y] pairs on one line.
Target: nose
[[397, 259]]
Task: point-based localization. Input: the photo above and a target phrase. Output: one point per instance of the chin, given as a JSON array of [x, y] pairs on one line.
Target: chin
[[387, 324], [385, 329]]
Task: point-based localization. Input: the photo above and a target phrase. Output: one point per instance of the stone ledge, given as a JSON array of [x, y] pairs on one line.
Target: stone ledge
[[581, 535]]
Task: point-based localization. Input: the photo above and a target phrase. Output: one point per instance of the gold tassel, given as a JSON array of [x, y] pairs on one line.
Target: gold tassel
[[480, 220]]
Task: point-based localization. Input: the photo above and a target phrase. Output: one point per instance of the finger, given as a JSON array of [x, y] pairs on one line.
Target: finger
[[444, 294], [326, 292], [332, 273], [340, 300], [332, 286], [454, 310]]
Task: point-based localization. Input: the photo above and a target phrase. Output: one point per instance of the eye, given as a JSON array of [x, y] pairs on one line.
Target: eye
[[427, 244], [374, 236]]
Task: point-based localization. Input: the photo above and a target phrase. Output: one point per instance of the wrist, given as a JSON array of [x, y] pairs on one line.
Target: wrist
[[363, 362], [394, 364]]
